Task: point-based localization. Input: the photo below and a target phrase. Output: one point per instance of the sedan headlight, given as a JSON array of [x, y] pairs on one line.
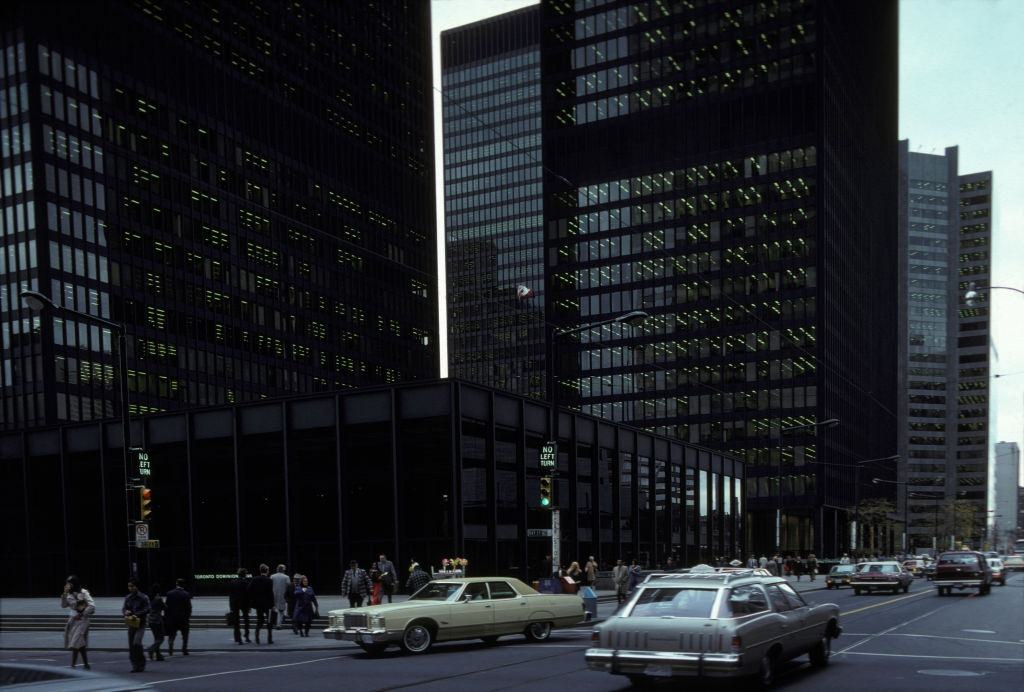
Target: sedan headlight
[[334, 621], [376, 622]]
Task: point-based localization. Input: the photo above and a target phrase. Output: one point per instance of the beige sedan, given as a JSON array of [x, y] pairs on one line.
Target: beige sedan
[[475, 608]]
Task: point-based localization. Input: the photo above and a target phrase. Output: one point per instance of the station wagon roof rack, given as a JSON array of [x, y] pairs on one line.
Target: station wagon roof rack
[[723, 576]]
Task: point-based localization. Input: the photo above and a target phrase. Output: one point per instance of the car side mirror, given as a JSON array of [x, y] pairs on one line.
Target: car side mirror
[[467, 598]]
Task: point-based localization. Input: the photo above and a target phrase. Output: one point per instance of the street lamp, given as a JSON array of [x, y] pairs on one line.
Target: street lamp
[[828, 423], [973, 296], [40, 303]]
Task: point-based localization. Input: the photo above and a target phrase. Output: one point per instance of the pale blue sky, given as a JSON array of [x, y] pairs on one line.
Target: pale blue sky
[[961, 83]]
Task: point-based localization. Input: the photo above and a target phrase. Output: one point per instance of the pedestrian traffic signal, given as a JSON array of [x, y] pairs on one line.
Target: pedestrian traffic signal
[[145, 502], [547, 497]]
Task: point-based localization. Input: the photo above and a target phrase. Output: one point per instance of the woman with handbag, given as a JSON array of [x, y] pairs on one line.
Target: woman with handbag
[[135, 610], [76, 631], [305, 607]]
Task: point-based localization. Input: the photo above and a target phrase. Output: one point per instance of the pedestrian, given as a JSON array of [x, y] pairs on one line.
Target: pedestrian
[[281, 582], [790, 564], [590, 572], [778, 564], [135, 609], [763, 562], [387, 576], [156, 621], [261, 597], [76, 630], [844, 560], [798, 566], [574, 572], [752, 561], [620, 576], [177, 616], [634, 575], [375, 584], [289, 597], [418, 578], [812, 566], [306, 606], [238, 603], [355, 584]]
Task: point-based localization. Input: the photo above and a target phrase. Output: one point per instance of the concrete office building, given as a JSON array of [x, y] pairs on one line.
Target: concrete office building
[[1002, 524], [247, 187], [945, 241], [490, 75], [729, 168]]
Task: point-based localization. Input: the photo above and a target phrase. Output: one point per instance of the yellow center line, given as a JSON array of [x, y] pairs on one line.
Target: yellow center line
[[886, 602]]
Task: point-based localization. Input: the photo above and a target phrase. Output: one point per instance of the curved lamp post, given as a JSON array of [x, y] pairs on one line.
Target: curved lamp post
[[39, 303], [972, 296]]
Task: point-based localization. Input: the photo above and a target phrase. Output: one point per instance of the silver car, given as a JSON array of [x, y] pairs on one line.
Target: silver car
[[713, 625]]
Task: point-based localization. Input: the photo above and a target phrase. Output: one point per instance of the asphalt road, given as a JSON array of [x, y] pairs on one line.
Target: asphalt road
[[914, 641]]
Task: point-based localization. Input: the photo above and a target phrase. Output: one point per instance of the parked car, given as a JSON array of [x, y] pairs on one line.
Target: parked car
[[839, 575], [881, 576], [717, 625], [450, 609], [998, 571], [962, 569], [1013, 563]]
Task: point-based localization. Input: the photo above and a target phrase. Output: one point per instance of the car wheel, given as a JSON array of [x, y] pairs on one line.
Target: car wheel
[[906, 588], [941, 591], [417, 638], [856, 592], [766, 671], [538, 631], [984, 590], [489, 641], [373, 649], [821, 652]]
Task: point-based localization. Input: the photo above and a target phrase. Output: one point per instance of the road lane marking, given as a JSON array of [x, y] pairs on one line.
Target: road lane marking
[[979, 631], [935, 636], [896, 627], [946, 658], [242, 670], [886, 602]]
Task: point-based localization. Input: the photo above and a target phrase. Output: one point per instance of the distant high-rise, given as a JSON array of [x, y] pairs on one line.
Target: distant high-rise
[[945, 241], [248, 187], [729, 168], [490, 72], [1005, 496]]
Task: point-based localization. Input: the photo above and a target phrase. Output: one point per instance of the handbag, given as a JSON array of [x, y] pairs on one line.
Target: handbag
[[132, 620]]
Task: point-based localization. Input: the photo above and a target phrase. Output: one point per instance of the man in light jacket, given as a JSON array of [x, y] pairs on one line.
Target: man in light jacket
[[591, 571], [620, 575], [281, 584]]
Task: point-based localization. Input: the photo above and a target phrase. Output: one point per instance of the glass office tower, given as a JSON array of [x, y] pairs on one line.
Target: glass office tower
[[247, 187], [493, 202], [728, 167], [945, 238]]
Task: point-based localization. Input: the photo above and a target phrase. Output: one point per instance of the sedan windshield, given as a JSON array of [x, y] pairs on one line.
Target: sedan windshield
[[674, 602], [436, 591], [875, 567], [958, 560]]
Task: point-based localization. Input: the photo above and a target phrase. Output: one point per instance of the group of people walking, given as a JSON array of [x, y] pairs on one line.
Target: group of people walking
[[275, 598]]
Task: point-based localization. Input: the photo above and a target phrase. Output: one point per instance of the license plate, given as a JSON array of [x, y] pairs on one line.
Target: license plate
[[657, 671], [366, 638]]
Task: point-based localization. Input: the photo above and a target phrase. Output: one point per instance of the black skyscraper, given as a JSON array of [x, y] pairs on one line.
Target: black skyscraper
[[247, 186], [729, 167]]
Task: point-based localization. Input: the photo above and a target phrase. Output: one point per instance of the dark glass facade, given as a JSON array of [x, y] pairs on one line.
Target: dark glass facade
[[493, 202], [728, 167], [248, 187], [945, 237], [422, 470]]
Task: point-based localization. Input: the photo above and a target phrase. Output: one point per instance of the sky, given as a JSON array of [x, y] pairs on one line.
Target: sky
[[961, 83]]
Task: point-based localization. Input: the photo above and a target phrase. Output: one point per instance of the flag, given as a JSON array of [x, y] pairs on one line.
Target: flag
[[523, 292]]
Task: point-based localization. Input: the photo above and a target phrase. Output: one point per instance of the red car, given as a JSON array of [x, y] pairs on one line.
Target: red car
[[962, 569], [881, 576]]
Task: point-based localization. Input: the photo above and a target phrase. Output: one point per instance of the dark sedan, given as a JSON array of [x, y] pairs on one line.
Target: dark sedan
[[839, 575]]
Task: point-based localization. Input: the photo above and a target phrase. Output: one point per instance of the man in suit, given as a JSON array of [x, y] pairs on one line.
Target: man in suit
[[261, 597], [238, 603], [177, 614], [387, 575]]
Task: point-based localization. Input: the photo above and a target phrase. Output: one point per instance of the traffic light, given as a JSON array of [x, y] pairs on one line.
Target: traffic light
[[547, 496], [145, 502]]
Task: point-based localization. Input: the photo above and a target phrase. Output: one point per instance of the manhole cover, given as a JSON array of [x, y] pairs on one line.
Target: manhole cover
[[951, 673]]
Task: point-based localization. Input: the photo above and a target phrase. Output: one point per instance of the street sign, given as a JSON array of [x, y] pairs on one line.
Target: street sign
[[143, 463], [150, 544], [548, 455], [141, 532], [538, 533]]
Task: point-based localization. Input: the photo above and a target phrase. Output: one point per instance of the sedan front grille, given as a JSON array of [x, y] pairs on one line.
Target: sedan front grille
[[355, 620]]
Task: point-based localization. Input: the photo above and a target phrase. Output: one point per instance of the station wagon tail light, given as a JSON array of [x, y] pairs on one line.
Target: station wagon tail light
[[595, 637], [737, 644]]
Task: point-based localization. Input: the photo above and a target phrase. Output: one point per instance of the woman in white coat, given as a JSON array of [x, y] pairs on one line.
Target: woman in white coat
[[76, 631]]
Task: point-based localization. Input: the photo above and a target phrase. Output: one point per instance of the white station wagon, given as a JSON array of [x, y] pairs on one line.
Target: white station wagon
[[449, 609], [712, 625]]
